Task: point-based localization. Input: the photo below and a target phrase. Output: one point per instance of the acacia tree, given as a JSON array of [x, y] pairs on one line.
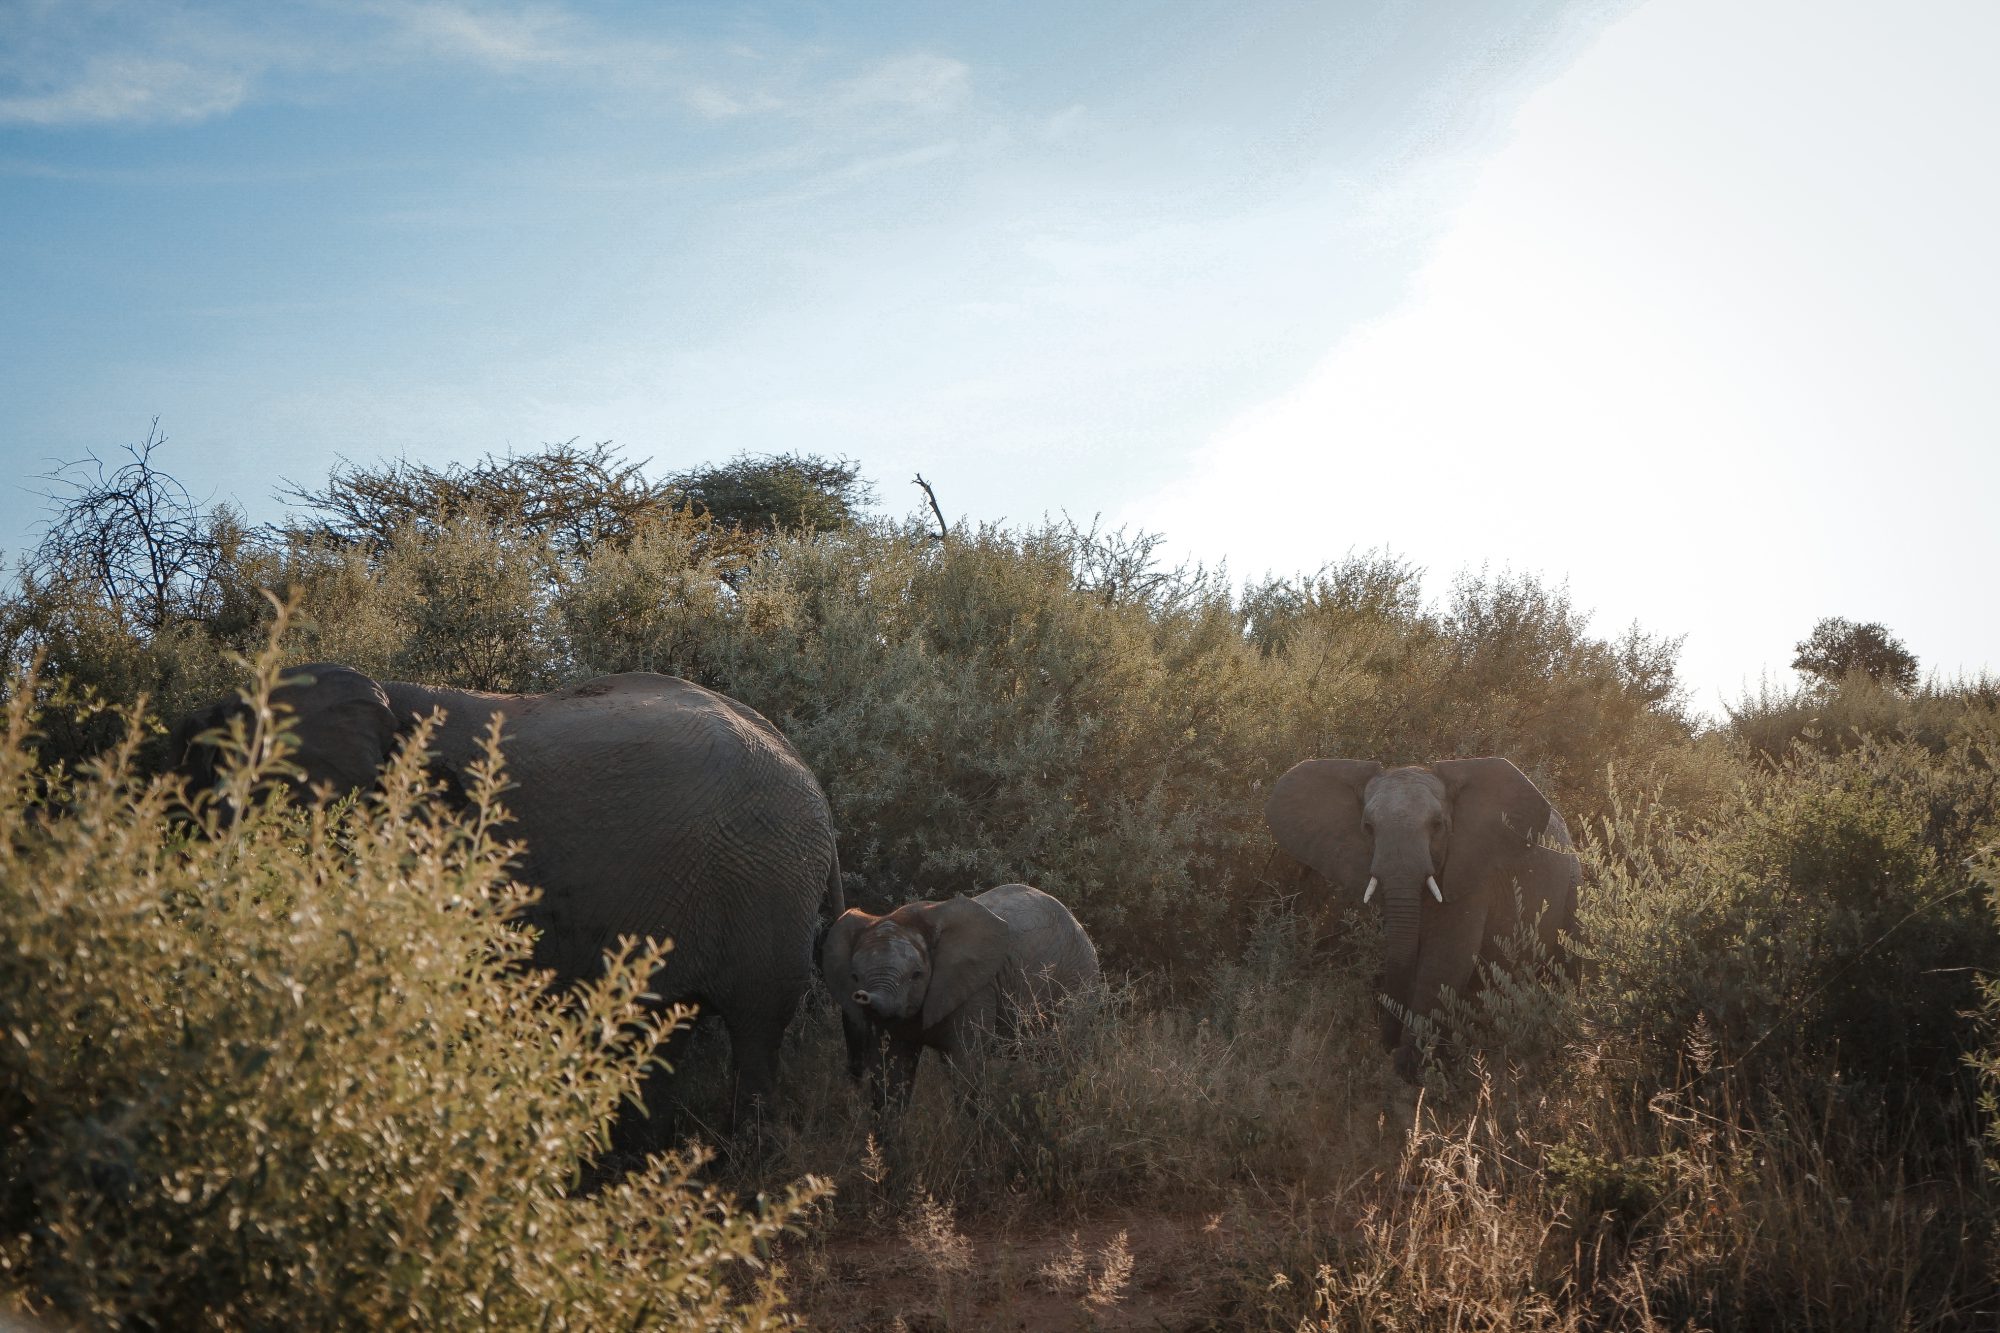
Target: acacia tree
[[575, 497], [1838, 648], [789, 490]]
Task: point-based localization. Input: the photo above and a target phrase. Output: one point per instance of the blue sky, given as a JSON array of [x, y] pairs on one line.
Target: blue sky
[[1685, 302]]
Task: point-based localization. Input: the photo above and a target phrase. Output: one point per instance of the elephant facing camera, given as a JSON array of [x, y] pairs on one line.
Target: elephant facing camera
[[1461, 854], [954, 976]]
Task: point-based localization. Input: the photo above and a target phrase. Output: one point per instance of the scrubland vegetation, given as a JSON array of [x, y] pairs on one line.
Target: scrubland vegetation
[[289, 1073]]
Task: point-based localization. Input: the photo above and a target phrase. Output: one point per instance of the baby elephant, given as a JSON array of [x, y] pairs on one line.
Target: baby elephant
[[949, 975]]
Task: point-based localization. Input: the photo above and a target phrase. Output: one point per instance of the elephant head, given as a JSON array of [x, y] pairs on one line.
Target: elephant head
[[341, 721], [919, 964], [1443, 845]]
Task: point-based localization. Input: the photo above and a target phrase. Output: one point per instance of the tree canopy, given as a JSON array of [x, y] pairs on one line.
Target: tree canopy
[[577, 497], [1838, 648]]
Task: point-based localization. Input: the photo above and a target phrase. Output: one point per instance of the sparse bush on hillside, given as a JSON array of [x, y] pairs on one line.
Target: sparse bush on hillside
[[292, 1071], [653, 604], [755, 493], [976, 718], [573, 499], [469, 602], [1935, 715]]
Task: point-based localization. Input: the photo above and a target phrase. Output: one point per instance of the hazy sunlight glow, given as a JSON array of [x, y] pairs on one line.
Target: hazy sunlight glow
[[1710, 338]]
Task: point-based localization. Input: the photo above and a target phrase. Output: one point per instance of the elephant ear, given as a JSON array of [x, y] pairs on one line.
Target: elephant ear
[[1497, 815], [837, 947], [1315, 814], [968, 943], [343, 722], [836, 952]]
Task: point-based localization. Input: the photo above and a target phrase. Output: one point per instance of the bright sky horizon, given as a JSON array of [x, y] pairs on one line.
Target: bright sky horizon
[[1686, 304]]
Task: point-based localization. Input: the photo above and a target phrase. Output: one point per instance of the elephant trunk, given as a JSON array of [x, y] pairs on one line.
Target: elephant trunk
[[886, 997], [1402, 909], [1402, 915]]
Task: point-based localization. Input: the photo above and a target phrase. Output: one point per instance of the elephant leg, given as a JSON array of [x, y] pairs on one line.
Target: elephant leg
[[862, 1041], [967, 1065], [645, 1129], [1558, 926], [755, 1036], [898, 1071], [1453, 936]]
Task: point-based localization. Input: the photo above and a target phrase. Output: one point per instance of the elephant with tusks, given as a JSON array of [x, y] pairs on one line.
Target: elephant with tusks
[[1460, 853]]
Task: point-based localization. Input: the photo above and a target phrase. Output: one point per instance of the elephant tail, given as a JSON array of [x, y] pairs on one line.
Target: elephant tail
[[832, 905]]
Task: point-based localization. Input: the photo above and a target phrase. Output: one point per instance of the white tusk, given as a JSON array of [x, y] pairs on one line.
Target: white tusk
[[1436, 892], [1368, 892]]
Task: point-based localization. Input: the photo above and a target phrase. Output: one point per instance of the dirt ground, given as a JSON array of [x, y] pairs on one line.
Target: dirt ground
[[1124, 1270]]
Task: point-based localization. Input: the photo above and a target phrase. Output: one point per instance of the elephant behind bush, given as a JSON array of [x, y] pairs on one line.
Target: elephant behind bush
[[1463, 851], [649, 807]]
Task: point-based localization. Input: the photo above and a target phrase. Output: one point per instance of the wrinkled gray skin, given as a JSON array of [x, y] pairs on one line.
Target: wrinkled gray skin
[[949, 975], [649, 806], [1478, 827]]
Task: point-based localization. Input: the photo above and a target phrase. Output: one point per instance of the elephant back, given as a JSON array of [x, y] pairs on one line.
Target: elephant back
[[655, 807], [1050, 954]]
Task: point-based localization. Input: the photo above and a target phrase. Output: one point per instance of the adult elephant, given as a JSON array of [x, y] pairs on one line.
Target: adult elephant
[[648, 806], [1459, 850]]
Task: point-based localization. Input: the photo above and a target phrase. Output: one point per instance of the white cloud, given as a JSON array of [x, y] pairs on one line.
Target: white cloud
[[715, 103], [921, 81], [860, 169], [498, 39], [1711, 338], [140, 63], [130, 88]]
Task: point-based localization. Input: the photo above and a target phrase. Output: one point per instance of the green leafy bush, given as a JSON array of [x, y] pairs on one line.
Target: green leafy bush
[[291, 1070], [1823, 921], [1845, 713]]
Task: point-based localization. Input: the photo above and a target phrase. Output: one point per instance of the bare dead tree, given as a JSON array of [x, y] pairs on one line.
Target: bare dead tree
[[944, 529], [148, 548]]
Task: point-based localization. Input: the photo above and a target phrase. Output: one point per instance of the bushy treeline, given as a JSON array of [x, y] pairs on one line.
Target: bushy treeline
[[1786, 914], [1044, 704]]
